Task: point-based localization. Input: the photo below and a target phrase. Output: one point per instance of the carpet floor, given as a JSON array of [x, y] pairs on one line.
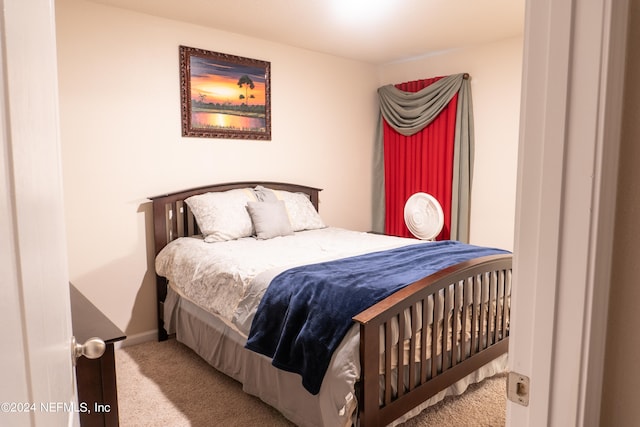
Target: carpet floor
[[167, 384]]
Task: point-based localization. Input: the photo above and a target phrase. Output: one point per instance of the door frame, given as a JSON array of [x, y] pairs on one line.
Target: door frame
[[573, 77]]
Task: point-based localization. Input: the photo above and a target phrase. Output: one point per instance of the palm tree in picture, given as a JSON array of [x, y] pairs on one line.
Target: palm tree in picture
[[248, 84]]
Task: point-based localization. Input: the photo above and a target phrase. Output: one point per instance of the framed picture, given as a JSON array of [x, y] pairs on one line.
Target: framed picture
[[224, 96]]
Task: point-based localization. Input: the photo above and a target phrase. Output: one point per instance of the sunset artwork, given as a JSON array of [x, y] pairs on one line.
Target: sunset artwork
[[224, 96]]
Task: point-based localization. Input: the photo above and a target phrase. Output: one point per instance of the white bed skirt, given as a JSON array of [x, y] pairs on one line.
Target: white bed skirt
[[222, 346]]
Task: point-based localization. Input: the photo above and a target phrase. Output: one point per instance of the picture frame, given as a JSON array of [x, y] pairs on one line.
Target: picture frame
[[224, 96]]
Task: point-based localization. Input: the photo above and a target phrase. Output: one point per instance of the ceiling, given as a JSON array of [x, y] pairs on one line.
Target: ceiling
[[374, 31]]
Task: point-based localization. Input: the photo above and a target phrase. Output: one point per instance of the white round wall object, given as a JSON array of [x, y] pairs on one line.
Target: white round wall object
[[423, 216]]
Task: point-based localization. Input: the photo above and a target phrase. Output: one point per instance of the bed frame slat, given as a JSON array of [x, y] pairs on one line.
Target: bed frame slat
[[400, 349], [424, 355], [412, 347], [387, 361]]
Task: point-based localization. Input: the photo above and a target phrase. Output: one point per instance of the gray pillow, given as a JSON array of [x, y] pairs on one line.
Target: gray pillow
[[270, 219]]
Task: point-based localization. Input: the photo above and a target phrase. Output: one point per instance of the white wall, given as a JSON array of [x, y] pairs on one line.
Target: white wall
[[121, 139], [496, 76]]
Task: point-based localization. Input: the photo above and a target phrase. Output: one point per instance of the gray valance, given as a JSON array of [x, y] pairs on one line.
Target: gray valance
[[409, 113]]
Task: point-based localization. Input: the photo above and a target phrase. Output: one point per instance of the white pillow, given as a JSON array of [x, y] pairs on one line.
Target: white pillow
[[223, 215], [302, 213], [270, 219]]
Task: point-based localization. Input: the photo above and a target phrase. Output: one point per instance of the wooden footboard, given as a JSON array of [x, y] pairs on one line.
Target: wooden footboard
[[474, 298]]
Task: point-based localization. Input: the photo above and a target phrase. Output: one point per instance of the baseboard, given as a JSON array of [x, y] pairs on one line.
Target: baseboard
[[137, 339]]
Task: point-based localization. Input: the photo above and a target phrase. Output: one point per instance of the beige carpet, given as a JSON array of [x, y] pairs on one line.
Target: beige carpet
[[166, 384]]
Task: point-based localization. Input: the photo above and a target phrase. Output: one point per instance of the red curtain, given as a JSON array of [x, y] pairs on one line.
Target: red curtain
[[422, 162]]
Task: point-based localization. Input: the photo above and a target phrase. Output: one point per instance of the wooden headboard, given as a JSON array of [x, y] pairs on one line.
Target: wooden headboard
[[172, 218]]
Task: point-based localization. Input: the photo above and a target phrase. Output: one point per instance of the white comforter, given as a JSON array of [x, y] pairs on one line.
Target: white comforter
[[220, 276]]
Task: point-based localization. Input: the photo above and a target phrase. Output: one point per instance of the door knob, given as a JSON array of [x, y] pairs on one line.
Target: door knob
[[93, 348]]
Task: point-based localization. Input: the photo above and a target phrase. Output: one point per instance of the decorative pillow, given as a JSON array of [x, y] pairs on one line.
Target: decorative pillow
[[270, 219], [223, 215], [302, 214]]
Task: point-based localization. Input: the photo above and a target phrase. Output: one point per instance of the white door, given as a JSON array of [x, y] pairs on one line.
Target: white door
[[567, 169], [37, 382]]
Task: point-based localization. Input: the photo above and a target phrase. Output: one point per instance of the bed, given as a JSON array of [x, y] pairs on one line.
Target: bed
[[430, 338]]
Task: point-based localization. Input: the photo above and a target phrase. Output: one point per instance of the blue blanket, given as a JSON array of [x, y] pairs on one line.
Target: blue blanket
[[307, 310]]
